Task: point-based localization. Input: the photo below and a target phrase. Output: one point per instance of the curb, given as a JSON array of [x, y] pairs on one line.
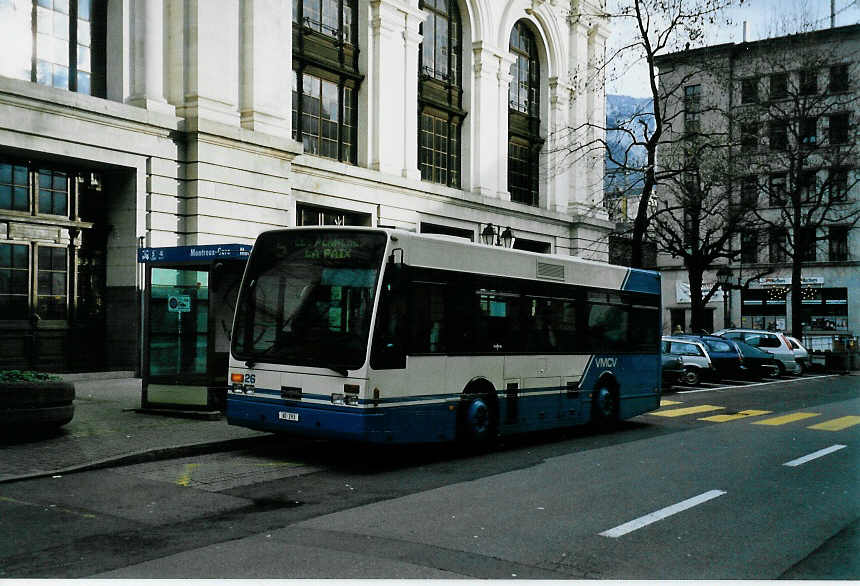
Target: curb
[[147, 456], [77, 377]]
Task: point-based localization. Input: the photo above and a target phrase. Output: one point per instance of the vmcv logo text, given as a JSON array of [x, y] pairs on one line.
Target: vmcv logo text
[[607, 362]]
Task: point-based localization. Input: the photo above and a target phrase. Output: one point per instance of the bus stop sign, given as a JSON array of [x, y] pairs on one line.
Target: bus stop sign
[[179, 303]]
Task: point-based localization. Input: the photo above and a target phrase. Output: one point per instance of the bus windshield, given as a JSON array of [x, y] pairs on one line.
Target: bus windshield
[[307, 298]]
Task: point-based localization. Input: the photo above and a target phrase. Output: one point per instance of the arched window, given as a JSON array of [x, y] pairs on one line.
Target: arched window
[[325, 77], [524, 141], [440, 93]]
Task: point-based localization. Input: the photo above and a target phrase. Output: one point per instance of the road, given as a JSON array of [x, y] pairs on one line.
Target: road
[[755, 482]]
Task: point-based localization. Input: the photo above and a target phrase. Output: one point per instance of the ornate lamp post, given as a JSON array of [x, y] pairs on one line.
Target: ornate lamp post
[[724, 278], [492, 235]]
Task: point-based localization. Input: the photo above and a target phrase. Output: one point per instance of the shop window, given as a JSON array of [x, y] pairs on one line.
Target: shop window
[[319, 216], [57, 43], [14, 281]]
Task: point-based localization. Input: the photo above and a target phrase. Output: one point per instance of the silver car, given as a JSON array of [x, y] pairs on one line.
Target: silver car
[[773, 342], [694, 356], [800, 353]]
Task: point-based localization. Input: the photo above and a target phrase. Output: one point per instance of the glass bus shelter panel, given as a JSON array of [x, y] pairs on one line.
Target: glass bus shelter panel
[[179, 323]]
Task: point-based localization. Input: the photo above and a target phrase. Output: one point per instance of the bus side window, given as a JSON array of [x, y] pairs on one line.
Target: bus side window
[[389, 336], [428, 318]]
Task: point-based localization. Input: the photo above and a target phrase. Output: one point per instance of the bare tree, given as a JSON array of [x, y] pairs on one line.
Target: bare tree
[[797, 129], [657, 27]]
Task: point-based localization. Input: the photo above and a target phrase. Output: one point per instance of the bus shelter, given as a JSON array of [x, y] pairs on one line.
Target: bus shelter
[[187, 313]]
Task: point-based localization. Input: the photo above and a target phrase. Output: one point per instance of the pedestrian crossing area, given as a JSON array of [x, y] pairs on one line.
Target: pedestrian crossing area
[[711, 413]]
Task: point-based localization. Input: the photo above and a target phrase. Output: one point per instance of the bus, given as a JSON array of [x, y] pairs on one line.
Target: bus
[[385, 336]]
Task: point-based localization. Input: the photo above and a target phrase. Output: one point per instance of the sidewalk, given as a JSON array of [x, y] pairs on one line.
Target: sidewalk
[[107, 429]]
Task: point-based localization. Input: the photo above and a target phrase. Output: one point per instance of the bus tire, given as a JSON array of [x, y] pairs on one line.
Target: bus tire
[[477, 420], [604, 405]]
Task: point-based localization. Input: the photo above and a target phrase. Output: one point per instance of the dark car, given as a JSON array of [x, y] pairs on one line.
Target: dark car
[[673, 370], [726, 357], [757, 363]]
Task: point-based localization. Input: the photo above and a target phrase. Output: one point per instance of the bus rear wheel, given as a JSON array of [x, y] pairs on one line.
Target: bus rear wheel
[[604, 406], [477, 420]]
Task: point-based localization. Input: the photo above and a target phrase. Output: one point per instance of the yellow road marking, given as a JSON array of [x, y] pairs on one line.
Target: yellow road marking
[[185, 478], [738, 415], [837, 424], [687, 410], [783, 419], [7, 499], [666, 402]]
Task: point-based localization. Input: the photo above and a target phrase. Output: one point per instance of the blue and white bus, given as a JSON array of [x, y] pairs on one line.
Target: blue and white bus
[[387, 336]]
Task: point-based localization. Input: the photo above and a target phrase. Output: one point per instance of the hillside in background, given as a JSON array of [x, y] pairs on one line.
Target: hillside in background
[[625, 112]]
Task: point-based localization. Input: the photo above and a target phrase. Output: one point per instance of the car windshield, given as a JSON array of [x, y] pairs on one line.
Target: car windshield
[[307, 298]]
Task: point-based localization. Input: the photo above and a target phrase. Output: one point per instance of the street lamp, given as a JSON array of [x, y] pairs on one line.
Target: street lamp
[[491, 235], [724, 278]]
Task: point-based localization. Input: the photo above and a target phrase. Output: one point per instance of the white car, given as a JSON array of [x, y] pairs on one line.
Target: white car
[[773, 342], [800, 353]]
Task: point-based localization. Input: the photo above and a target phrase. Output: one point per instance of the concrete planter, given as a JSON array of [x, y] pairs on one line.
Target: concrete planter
[[41, 404]]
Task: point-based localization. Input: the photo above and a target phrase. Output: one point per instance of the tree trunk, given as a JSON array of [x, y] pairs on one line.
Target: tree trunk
[[696, 304]]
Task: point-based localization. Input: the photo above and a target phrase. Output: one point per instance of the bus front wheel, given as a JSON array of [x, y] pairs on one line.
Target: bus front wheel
[[477, 420]]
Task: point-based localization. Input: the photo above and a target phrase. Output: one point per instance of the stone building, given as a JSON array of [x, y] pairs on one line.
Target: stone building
[[787, 111], [149, 123]]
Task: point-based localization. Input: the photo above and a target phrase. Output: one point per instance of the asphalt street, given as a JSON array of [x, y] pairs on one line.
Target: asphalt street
[[720, 483]]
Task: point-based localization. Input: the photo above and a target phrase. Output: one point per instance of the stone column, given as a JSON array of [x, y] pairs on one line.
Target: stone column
[[506, 60], [265, 95], [211, 61], [597, 36], [577, 114], [392, 80], [560, 144], [489, 128], [147, 56]]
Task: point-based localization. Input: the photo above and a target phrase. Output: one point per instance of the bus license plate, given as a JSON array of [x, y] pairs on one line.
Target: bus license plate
[[287, 416]]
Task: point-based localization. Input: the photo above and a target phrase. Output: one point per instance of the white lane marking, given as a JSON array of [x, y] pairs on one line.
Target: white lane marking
[[814, 455], [759, 384], [662, 514]]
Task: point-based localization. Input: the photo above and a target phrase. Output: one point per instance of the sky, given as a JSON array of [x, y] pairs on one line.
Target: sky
[[766, 18]]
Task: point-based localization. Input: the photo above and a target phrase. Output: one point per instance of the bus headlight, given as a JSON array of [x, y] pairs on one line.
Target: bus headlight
[[337, 398], [351, 394]]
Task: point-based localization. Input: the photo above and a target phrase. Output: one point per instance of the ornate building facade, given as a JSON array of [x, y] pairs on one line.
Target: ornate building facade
[[147, 123]]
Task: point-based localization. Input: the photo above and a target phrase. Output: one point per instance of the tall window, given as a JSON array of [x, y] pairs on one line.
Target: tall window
[[837, 243], [778, 86], [778, 135], [14, 187], [749, 136], [440, 93], [749, 247], [524, 141], [749, 90], [14, 280], [51, 286], [749, 191], [777, 192], [325, 77], [808, 244], [808, 82], [692, 109], [57, 43], [839, 128], [839, 78], [838, 184], [777, 245]]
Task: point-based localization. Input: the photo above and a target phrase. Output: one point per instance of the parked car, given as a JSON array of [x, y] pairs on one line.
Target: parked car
[[800, 353], [725, 356], [757, 363], [673, 370], [773, 342], [694, 356]]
